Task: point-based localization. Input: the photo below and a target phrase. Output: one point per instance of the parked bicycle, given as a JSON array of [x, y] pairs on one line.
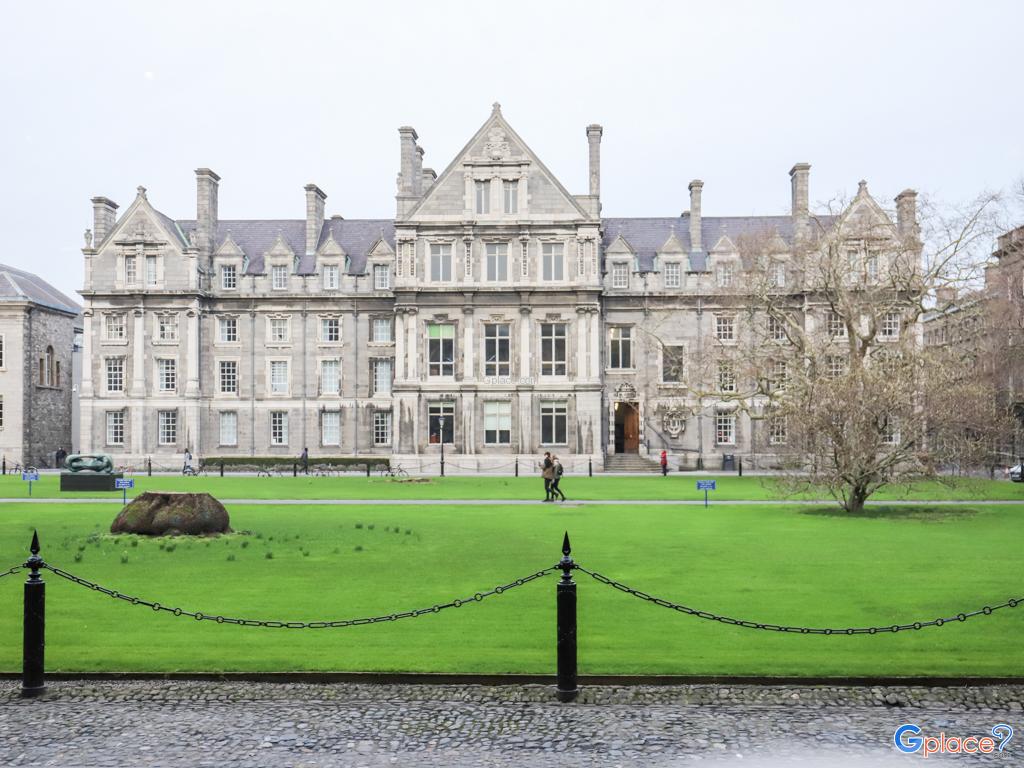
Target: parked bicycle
[[394, 471]]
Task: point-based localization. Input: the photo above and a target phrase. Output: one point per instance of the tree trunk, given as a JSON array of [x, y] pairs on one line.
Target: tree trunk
[[854, 503]]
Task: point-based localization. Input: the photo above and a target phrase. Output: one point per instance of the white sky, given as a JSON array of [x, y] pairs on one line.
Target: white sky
[[98, 98]]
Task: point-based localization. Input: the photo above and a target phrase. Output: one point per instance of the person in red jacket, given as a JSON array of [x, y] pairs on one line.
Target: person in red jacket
[[664, 463]]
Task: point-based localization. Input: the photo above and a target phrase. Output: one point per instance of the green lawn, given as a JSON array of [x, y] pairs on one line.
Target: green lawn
[[782, 564], [681, 487]]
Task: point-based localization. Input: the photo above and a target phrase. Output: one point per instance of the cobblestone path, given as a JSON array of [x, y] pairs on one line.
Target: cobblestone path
[[194, 723]]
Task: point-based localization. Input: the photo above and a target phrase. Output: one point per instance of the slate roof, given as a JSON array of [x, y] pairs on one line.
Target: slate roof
[[256, 237], [18, 285], [648, 235]]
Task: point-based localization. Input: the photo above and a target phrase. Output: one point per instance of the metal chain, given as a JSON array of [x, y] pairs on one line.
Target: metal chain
[[11, 571], [987, 610], [199, 616]]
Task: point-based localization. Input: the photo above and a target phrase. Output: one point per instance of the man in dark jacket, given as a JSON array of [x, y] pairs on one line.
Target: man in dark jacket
[[548, 473]]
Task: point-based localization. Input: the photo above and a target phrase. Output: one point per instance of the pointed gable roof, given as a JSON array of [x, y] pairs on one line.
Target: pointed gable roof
[[19, 285], [495, 141], [168, 226]]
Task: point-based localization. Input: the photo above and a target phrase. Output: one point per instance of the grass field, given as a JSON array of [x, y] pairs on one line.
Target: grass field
[[681, 487], [773, 563]]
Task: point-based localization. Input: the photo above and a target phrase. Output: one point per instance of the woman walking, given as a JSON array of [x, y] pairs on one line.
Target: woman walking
[[556, 478]]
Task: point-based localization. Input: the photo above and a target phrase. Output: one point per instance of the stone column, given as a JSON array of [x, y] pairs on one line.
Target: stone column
[[524, 343], [84, 439], [468, 372], [399, 345], [413, 336], [582, 316], [192, 354], [139, 354], [595, 344], [87, 346]]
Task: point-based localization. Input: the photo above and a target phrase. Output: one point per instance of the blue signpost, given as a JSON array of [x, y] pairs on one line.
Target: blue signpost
[[123, 484], [706, 485], [30, 477]]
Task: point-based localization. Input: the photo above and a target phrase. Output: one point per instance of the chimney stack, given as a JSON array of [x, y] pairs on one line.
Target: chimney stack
[[799, 179], [408, 138], [206, 209], [104, 214], [906, 213], [696, 241], [417, 171], [594, 132], [315, 198]]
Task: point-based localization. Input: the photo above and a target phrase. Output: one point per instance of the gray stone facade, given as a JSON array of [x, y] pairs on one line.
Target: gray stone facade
[[37, 325], [494, 299]]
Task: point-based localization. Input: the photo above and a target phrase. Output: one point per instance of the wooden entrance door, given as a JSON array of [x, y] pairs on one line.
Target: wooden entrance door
[[627, 427]]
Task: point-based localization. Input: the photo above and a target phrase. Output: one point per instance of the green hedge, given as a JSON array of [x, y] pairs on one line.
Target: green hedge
[[282, 462]]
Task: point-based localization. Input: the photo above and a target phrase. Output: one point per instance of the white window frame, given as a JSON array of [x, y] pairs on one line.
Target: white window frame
[[221, 377], [890, 327], [330, 382], [554, 366], [620, 275], [725, 274], [726, 377], [107, 371], [152, 269], [114, 422], [330, 434], [891, 431], [778, 429], [725, 328], [552, 262], [166, 374], [620, 345], [382, 375], [278, 428], [441, 263], [279, 277], [167, 427], [273, 387], [382, 427], [381, 277], [331, 276], [327, 324], [498, 419], [673, 274], [223, 323], [725, 429], [131, 278], [165, 321], [228, 418], [496, 260], [444, 367], [553, 413], [482, 196], [228, 277], [493, 337], [120, 335], [275, 323], [510, 196], [388, 337], [835, 325]]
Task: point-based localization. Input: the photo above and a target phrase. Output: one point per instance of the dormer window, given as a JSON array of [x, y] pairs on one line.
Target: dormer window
[[778, 274], [483, 196], [332, 277], [279, 277], [381, 277], [673, 274], [724, 275], [510, 189], [620, 275], [228, 277]]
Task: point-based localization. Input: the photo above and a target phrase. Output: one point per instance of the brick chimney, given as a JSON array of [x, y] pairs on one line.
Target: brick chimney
[[206, 209], [696, 241], [906, 213], [594, 133], [104, 214], [315, 198], [799, 181]]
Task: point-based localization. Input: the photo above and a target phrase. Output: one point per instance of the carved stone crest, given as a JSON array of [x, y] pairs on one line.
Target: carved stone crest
[[673, 422], [625, 392], [496, 147]]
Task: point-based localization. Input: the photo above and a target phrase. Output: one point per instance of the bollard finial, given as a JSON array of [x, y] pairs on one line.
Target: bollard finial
[[566, 549], [34, 546]]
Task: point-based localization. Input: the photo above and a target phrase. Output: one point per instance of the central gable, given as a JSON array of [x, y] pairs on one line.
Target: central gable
[[496, 152]]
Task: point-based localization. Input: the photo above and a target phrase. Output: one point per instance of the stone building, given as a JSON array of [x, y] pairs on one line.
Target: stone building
[[37, 330], [496, 313]]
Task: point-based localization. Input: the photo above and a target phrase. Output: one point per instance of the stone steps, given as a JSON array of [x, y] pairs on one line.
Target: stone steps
[[630, 462]]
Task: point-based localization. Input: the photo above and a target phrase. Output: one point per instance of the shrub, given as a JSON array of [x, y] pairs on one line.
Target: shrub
[[371, 526], [269, 555], [358, 548], [124, 557], [359, 525], [78, 557], [231, 557], [245, 544], [135, 542]]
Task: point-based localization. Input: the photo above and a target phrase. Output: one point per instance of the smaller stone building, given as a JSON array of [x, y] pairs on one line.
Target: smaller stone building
[[37, 331]]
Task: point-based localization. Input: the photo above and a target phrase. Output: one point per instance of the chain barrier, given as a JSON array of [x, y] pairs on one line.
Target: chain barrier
[[11, 571], [199, 616], [986, 611]]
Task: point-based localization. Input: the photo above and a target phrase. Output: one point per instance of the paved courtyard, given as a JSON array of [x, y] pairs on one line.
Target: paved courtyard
[[195, 723]]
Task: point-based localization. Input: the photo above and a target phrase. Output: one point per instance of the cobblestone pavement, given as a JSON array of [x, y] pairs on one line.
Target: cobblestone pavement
[[195, 723]]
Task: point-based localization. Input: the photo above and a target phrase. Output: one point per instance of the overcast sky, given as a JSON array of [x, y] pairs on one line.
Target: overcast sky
[[99, 98]]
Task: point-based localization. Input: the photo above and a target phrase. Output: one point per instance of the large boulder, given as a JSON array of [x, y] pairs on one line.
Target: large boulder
[[160, 513]]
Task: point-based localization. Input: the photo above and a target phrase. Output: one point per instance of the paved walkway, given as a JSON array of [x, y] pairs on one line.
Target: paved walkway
[[146, 723], [517, 502]]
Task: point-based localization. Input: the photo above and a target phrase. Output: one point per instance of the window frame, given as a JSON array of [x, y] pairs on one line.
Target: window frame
[[620, 348], [221, 425], [440, 368], [501, 415], [497, 367], [110, 423], [554, 414], [167, 419], [550, 259], [221, 377], [382, 433], [224, 286], [324, 440], [444, 408], [725, 427], [281, 427], [549, 342], [496, 259], [441, 259], [324, 382]]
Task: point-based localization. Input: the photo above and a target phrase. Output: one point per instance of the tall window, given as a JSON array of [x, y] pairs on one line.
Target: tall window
[[332, 277], [278, 330], [228, 277], [778, 374], [1, 411], [228, 428], [279, 277], [115, 427], [620, 275], [228, 377], [381, 371], [725, 328], [871, 267], [167, 375], [724, 274], [497, 262], [497, 422], [776, 329], [47, 369], [891, 431], [330, 377], [435, 412], [167, 427], [381, 277], [441, 349], [279, 427], [553, 257], [673, 364], [382, 330], [167, 327], [279, 377], [1, 351], [673, 274], [115, 374], [330, 329], [440, 262], [725, 429], [835, 325], [552, 349], [553, 423], [114, 327], [510, 189], [835, 366], [778, 274], [621, 347], [131, 274], [382, 427], [228, 327], [483, 196], [726, 376], [151, 270], [777, 430], [497, 350], [330, 428], [890, 326]]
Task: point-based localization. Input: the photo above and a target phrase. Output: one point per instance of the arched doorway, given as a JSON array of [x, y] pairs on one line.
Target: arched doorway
[[627, 426]]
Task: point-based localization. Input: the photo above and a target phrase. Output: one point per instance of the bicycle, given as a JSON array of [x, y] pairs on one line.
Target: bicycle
[[190, 471], [394, 471]]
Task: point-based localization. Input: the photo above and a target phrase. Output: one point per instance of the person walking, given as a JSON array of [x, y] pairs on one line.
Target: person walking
[[664, 463], [304, 460], [187, 467], [59, 457], [556, 477], [548, 473]]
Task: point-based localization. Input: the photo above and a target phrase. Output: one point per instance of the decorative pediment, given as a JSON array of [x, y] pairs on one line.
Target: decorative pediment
[[724, 246], [381, 250], [672, 246], [280, 247], [863, 218], [776, 245], [331, 247], [142, 223], [229, 248], [619, 247]]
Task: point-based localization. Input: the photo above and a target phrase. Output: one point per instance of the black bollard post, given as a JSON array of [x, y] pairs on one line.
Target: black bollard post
[[739, 466], [295, 470], [517, 466], [565, 595], [222, 469], [34, 626], [367, 469], [149, 467], [590, 467], [4, 471]]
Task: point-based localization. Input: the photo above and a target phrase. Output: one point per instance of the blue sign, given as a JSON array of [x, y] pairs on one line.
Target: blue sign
[[123, 484], [30, 476], [705, 485]]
